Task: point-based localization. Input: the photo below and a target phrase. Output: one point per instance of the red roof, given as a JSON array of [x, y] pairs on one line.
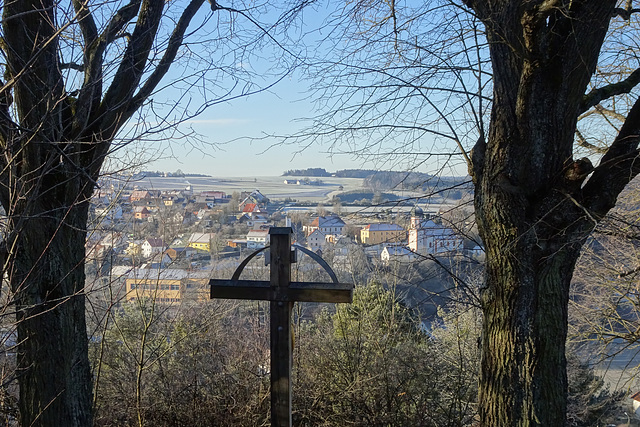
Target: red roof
[[249, 207]]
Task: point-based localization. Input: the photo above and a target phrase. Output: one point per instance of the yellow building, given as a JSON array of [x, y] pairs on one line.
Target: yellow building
[[167, 286], [375, 234], [133, 249], [200, 241]]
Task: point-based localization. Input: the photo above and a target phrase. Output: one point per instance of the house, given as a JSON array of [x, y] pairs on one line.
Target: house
[[114, 239], [141, 213], [427, 237], [331, 224], [108, 213], [201, 241], [342, 245], [138, 195], [214, 194], [316, 240], [172, 200], [134, 248], [255, 221], [251, 208], [477, 251], [257, 239], [237, 243], [201, 213], [397, 253], [180, 252], [374, 234], [101, 197], [151, 247], [255, 197]]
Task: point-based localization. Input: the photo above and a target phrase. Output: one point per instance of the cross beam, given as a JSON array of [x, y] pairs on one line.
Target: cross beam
[[281, 293]]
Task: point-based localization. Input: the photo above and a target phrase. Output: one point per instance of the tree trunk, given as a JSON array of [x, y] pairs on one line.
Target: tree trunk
[[523, 370], [56, 128], [533, 232], [48, 281], [531, 205]]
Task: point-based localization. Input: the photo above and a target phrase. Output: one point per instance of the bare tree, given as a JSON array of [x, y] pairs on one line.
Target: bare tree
[[75, 72], [418, 82]]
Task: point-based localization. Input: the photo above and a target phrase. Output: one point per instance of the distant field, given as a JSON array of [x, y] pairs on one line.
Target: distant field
[[270, 186]]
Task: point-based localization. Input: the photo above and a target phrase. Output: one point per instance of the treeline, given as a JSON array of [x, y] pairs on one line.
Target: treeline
[[355, 173], [412, 181], [307, 172], [388, 180]]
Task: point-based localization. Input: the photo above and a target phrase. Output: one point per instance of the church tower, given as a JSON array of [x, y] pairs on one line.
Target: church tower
[[417, 215], [415, 241]]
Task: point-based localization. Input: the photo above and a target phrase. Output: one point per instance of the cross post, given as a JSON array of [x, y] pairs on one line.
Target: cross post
[[281, 293]]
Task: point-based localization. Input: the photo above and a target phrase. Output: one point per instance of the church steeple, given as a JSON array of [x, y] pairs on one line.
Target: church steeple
[[417, 215]]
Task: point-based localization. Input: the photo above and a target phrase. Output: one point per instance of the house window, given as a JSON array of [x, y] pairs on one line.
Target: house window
[[133, 286], [175, 287]]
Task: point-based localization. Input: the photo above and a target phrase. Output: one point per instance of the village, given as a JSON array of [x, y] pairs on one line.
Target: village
[[167, 244]]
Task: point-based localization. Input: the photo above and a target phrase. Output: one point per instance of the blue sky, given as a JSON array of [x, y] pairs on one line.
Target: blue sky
[[233, 135], [236, 132]]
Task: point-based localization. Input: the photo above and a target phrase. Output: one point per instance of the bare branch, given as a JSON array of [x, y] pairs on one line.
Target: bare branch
[[90, 95], [175, 41], [617, 168], [596, 96], [604, 112], [626, 12], [71, 66], [115, 102], [582, 142]]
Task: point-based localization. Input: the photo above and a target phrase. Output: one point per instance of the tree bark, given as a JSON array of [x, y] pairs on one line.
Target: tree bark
[[48, 282], [523, 369]]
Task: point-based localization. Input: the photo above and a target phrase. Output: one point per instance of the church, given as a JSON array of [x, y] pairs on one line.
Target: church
[[427, 237]]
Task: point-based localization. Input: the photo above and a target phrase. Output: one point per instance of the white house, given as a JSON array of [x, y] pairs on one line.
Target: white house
[[400, 254], [257, 239], [331, 224], [316, 240], [342, 245], [255, 197], [431, 238], [255, 221], [109, 213], [151, 247]]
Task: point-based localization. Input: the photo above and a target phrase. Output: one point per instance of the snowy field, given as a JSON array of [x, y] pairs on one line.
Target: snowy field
[[271, 186]]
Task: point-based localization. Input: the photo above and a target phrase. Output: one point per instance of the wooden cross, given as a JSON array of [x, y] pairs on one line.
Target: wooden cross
[[281, 293]]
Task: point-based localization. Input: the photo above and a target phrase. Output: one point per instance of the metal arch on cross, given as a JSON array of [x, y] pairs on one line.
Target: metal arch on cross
[[281, 293]]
